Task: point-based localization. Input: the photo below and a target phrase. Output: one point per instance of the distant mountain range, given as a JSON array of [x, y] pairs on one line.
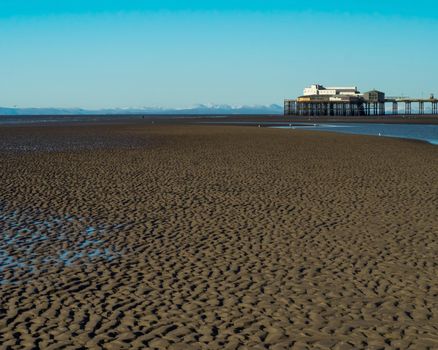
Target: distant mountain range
[[198, 109]]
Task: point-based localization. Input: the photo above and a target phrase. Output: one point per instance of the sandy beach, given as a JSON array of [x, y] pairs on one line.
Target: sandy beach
[[148, 236]]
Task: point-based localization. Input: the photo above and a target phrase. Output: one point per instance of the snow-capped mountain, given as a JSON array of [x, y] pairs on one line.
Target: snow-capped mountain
[[197, 109]]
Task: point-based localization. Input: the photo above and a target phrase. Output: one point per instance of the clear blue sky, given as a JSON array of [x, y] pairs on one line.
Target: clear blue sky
[[95, 54]]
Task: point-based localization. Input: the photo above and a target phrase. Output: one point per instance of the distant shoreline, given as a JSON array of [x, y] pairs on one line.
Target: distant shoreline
[[221, 119]]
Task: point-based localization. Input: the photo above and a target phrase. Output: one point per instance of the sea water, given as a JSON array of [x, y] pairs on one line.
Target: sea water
[[423, 132]]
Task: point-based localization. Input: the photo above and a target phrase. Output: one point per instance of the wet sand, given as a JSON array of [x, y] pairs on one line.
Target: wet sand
[[214, 237], [192, 119]]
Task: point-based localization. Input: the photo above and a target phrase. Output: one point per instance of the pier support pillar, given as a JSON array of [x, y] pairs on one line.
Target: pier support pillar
[[395, 108], [434, 107], [408, 108], [381, 108], [290, 107], [421, 107], [331, 109]]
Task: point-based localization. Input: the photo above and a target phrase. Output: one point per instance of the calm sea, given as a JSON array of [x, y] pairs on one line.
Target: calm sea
[[423, 132]]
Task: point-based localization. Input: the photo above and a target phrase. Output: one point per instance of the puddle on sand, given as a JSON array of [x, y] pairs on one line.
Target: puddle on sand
[[24, 239], [89, 242], [69, 257], [90, 230], [7, 260], [9, 263]]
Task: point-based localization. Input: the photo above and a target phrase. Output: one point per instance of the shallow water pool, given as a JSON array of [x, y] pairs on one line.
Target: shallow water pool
[[422, 132]]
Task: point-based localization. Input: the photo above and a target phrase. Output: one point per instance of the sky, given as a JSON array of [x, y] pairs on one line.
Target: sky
[[107, 54]]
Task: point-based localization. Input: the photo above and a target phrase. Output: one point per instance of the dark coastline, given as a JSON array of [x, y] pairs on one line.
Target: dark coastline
[[243, 119]]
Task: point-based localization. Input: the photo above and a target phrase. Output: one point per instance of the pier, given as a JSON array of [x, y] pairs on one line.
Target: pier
[[340, 101], [422, 102]]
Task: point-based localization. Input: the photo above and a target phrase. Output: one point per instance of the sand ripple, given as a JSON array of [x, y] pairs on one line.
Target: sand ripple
[[220, 238]]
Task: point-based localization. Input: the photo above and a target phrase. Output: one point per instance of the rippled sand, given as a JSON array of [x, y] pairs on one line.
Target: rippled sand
[[209, 237]]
